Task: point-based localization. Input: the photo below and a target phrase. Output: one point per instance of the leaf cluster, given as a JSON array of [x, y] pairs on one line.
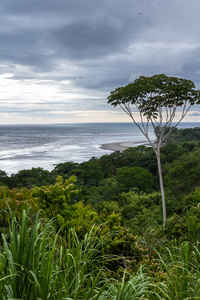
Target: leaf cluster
[[149, 94]]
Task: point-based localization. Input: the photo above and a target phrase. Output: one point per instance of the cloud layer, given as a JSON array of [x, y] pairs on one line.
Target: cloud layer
[[59, 60]]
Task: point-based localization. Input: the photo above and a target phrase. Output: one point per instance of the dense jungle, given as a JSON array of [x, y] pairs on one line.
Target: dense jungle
[[93, 230]]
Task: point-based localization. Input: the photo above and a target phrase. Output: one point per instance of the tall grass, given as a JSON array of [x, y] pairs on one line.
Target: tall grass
[[83, 263], [27, 260], [182, 270], [138, 287], [35, 265]]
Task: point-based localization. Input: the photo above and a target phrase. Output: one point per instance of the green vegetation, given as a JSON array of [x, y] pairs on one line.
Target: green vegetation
[[157, 99], [94, 230]]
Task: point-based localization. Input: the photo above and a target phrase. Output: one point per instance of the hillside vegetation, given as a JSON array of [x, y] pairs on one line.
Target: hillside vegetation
[[94, 230]]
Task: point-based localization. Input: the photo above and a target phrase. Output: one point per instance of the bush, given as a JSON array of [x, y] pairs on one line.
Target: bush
[[129, 177]]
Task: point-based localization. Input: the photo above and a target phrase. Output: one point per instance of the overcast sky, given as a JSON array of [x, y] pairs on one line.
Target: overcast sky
[[59, 59]]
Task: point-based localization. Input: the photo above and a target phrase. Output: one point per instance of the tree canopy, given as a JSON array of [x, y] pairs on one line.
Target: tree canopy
[[158, 100]]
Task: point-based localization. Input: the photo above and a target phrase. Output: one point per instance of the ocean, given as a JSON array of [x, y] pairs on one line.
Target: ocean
[[28, 146]]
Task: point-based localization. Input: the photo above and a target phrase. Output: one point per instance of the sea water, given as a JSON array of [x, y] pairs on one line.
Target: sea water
[[28, 146]]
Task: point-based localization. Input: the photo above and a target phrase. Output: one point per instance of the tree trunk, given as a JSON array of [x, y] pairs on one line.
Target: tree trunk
[[161, 186]]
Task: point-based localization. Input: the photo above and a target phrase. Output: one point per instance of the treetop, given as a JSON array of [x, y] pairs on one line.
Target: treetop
[[151, 93]]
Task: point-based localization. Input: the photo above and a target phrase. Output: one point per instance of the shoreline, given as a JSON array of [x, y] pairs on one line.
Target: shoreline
[[121, 146]]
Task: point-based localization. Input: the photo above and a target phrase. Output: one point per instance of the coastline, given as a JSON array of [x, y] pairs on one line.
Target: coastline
[[121, 146]]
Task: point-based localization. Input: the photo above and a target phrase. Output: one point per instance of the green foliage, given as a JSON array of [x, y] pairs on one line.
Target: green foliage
[[184, 174], [156, 99], [192, 199], [105, 208], [27, 270], [36, 264], [141, 213], [92, 172], [137, 200], [120, 241], [182, 277], [54, 201], [130, 251], [30, 178], [110, 163], [14, 200], [151, 93], [88, 173], [193, 224], [108, 190], [185, 226], [171, 151], [64, 168], [4, 179], [176, 228], [130, 287], [192, 215], [129, 177], [189, 134], [53, 198], [79, 217]]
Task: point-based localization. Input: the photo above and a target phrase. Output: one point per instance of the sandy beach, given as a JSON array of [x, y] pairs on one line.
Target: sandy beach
[[121, 146]]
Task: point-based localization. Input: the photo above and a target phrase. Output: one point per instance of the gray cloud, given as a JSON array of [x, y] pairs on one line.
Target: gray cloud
[[195, 114], [87, 48], [85, 40]]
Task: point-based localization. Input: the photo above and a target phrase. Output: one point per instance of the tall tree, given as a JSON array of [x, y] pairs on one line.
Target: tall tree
[[161, 101]]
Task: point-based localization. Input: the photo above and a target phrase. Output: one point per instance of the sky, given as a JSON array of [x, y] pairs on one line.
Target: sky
[[60, 59]]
